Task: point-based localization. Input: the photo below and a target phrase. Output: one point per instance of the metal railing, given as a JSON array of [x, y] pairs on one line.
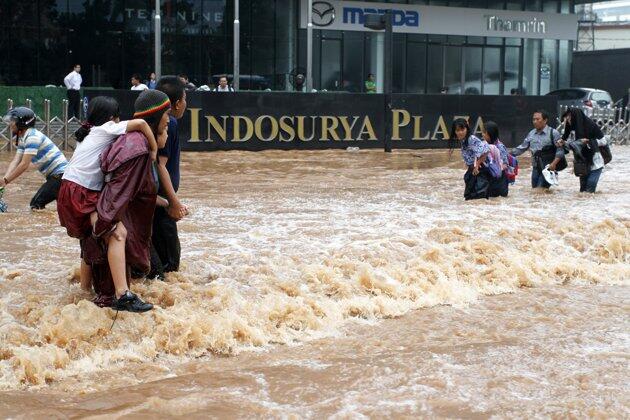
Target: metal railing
[[614, 122], [59, 129]]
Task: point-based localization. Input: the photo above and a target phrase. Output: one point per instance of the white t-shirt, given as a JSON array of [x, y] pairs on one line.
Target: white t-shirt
[[141, 86], [85, 166]]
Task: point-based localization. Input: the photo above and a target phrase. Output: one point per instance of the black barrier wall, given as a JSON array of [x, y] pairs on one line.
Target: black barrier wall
[[283, 120]]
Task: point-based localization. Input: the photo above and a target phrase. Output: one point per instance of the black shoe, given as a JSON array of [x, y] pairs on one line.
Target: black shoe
[[131, 302], [155, 275]]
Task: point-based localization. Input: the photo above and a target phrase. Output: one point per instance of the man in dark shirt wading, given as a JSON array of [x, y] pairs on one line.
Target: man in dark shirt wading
[[166, 251]]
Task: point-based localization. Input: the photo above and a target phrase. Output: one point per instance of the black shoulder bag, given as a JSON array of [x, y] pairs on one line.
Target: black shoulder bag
[[547, 155]]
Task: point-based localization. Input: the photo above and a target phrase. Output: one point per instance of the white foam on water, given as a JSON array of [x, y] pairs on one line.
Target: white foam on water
[[283, 253]]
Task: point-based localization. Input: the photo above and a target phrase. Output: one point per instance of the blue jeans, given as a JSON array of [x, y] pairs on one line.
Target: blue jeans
[[589, 182], [538, 180]]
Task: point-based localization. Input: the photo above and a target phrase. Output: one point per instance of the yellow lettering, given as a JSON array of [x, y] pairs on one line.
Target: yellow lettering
[[367, 128], [326, 130], [258, 126], [287, 128], [301, 126], [237, 128], [441, 128], [417, 125], [347, 128], [194, 125], [220, 129], [479, 127], [397, 123]]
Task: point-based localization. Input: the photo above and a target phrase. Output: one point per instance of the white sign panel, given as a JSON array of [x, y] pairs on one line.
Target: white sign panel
[[350, 16]]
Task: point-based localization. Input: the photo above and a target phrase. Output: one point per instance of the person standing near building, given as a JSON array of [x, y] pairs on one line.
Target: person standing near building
[[370, 84], [166, 250], [73, 83], [34, 147], [136, 84], [223, 85], [152, 82], [189, 86], [541, 138]]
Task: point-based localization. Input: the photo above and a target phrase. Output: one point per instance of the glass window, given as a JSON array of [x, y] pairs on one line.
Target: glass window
[[472, 70], [331, 64], [548, 66], [514, 5], [491, 71], [285, 37], [512, 71], [353, 74], [550, 6], [416, 67], [533, 5], [373, 59], [602, 98], [453, 69], [475, 40], [494, 41], [513, 41], [496, 5], [399, 61], [531, 66], [435, 70], [564, 65], [456, 39]]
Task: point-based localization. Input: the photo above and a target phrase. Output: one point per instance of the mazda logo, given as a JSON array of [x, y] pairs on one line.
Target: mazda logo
[[323, 13]]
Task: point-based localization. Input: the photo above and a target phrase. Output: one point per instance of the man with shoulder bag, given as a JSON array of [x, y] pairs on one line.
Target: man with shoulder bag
[[542, 141]]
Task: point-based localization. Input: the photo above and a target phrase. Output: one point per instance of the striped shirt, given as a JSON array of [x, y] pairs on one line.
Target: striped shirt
[[46, 155]]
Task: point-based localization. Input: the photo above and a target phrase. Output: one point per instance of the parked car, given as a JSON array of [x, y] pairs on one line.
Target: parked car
[[595, 103]]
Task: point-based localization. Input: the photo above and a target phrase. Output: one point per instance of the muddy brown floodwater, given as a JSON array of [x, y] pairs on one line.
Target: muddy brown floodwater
[[334, 284]]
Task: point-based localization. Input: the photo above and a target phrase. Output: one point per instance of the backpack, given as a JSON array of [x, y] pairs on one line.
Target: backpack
[[494, 162], [512, 170]]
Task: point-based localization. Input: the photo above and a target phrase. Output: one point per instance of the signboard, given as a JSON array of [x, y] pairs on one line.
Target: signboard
[[415, 19], [291, 120]]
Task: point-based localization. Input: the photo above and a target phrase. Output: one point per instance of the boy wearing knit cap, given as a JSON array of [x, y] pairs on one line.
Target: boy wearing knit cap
[[128, 199]]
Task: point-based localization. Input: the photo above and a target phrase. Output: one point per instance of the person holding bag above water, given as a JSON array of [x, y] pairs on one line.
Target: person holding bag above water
[[587, 146], [474, 152], [542, 141]]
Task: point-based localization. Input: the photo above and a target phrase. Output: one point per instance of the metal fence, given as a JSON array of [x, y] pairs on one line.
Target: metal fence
[[59, 129], [614, 122]]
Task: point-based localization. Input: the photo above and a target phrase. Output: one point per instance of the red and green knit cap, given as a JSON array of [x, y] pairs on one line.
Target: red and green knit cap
[[151, 102]]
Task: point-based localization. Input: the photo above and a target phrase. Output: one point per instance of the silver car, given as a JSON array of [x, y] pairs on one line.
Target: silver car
[[595, 103]]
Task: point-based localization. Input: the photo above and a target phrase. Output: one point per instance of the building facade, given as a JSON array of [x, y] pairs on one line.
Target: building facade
[[515, 48]]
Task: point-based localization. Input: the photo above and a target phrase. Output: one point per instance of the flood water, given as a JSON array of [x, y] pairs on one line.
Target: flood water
[[337, 284]]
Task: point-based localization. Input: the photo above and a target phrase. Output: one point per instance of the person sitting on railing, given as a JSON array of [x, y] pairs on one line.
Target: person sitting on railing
[[34, 147]]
